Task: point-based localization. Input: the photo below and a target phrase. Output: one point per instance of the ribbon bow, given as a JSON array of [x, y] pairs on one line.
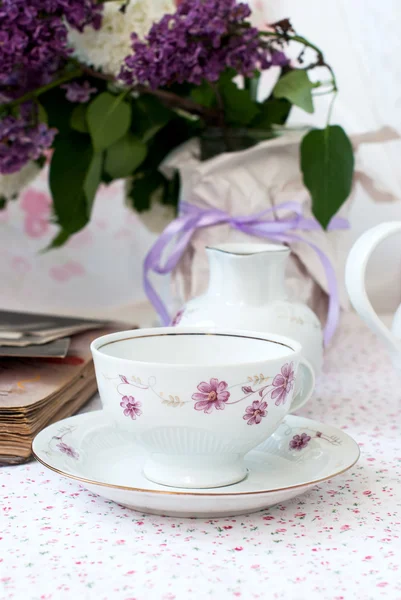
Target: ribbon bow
[[260, 225]]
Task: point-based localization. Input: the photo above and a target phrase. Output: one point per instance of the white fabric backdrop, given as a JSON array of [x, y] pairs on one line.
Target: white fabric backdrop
[[100, 270], [360, 40]]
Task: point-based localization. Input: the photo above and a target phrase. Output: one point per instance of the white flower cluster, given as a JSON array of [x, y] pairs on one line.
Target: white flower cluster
[[11, 185], [107, 48]]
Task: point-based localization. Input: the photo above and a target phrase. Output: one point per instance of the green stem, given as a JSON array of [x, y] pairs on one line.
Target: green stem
[[222, 121], [45, 88], [331, 108], [321, 84], [324, 93], [293, 38], [301, 40]]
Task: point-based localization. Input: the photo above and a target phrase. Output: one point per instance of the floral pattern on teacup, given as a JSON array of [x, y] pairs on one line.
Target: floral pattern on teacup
[[211, 395], [283, 383], [255, 413], [132, 407]]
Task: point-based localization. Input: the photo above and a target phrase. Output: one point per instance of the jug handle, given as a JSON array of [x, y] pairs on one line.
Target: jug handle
[[355, 271]]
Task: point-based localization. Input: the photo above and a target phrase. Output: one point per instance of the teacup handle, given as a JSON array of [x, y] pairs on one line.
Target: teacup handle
[[355, 271], [308, 381]]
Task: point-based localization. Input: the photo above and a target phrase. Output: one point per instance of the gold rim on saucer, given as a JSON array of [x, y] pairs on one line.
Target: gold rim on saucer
[[172, 493]]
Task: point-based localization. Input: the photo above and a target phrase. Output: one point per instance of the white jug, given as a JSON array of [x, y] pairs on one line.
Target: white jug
[[247, 291], [355, 281]]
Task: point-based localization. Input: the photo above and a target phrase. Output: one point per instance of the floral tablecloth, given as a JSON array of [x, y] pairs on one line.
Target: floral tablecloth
[[342, 540]]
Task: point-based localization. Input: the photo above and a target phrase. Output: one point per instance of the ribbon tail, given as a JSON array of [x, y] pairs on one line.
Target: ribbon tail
[[183, 227], [333, 312], [155, 299]]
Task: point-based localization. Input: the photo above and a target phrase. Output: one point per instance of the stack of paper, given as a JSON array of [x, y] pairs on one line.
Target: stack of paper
[[37, 391], [28, 334]]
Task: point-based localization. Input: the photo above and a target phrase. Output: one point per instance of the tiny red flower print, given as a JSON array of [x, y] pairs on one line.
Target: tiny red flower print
[[132, 408], [283, 383], [299, 442], [255, 413], [211, 395], [66, 449]]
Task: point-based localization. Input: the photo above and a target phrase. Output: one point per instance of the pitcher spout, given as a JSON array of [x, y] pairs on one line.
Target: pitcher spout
[[248, 273]]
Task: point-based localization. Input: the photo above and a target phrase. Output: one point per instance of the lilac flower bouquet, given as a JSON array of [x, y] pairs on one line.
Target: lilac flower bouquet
[[106, 90]]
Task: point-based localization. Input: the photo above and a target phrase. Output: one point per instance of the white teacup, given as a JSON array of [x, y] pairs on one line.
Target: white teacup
[[199, 399]]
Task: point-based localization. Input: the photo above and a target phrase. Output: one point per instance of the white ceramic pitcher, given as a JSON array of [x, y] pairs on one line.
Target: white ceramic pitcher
[[355, 281], [247, 291]]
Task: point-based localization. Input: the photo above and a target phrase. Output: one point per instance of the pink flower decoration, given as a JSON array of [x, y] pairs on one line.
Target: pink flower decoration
[[20, 264], [213, 395], [299, 442], [284, 382], [37, 208], [132, 408], [66, 449], [67, 271], [255, 412], [177, 318]]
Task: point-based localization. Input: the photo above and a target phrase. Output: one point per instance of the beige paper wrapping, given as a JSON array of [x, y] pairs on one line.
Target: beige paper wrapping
[[248, 182]]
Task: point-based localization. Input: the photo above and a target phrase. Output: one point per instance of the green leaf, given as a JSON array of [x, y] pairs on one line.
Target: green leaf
[[92, 179], [108, 119], [149, 117], [123, 157], [58, 110], [296, 87], [174, 133], [58, 241], [171, 191], [42, 114], [240, 109], [142, 189], [3, 202], [78, 119], [204, 94], [74, 176], [274, 111], [327, 163], [252, 84]]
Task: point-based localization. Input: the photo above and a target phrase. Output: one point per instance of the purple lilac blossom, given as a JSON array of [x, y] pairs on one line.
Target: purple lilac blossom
[[198, 42], [79, 92], [33, 33], [22, 141], [33, 48]]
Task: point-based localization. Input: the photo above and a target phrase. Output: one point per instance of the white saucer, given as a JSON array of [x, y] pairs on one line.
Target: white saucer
[[109, 463]]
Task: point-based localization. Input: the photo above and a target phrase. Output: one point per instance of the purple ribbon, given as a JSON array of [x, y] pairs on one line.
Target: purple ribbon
[[193, 218]]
